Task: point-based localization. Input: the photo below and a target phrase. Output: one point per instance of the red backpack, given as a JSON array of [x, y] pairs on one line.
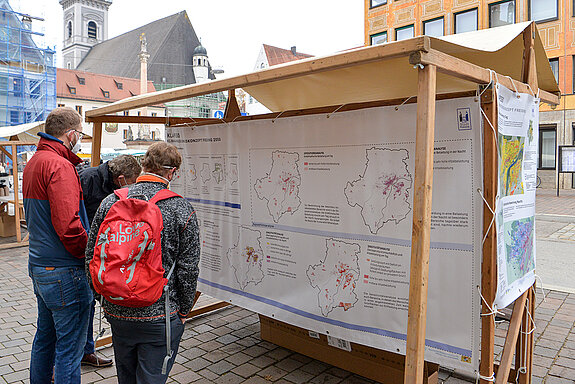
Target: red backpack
[[127, 265]]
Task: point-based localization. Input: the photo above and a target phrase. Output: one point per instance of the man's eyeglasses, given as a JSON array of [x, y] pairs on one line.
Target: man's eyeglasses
[[170, 167], [81, 133]]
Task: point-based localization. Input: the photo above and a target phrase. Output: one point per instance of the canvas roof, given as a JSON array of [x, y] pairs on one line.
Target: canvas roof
[[374, 73]]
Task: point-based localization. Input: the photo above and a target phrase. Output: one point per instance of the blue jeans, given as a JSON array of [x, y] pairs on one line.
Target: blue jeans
[[64, 296], [140, 348], [90, 347]]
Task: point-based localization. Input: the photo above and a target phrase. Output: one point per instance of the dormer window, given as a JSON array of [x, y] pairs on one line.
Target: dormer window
[[81, 80], [92, 30], [72, 90], [105, 93], [119, 85]]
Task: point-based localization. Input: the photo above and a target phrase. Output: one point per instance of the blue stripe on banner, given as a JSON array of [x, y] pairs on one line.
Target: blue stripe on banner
[[215, 202], [353, 327], [354, 236]]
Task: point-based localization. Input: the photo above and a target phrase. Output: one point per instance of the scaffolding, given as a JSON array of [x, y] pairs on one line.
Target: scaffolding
[[27, 72]]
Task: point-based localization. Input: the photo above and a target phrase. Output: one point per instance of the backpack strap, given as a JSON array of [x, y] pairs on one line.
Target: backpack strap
[[163, 194], [122, 193]]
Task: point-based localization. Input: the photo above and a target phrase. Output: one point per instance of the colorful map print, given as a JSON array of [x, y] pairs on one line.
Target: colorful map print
[[280, 187], [336, 276], [246, 258], [519, 248], [382, 192], [511, 165]]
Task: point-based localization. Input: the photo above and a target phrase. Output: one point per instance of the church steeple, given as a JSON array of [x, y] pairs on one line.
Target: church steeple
[[85, 25]]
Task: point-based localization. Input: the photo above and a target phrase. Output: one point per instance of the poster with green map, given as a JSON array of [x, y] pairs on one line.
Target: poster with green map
[[518, 122]]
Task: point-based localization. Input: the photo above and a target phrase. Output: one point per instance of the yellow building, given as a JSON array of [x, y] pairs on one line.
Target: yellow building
[[392, 20]]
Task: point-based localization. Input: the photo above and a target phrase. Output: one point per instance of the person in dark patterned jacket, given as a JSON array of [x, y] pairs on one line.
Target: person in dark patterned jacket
[[138, 334]]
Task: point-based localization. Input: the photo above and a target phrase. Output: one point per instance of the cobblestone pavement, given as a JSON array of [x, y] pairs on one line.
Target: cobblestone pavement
[[225, 346]]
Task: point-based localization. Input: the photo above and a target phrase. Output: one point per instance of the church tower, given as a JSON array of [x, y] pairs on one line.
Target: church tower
[[200, 64], [85, 25]]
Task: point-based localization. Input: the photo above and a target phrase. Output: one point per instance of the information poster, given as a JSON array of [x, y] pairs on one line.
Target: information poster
[[518, 125], [308, 220]]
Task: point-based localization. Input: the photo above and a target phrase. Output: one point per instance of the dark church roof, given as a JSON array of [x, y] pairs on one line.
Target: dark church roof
[[170, 43]]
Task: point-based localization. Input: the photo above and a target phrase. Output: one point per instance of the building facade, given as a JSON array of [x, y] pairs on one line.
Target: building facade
[[387, 20], [84, 91]]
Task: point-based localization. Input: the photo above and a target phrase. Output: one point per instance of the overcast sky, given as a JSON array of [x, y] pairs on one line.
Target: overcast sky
[[232, 31]]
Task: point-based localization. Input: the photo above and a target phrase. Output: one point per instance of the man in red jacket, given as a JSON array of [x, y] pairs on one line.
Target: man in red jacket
[[57, 224]]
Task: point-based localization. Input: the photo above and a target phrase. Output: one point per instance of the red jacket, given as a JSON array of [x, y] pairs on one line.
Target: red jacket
[[54, 206]]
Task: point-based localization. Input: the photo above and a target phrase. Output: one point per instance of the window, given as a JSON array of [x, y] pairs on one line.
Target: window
[[72, 90], [404, 32], [106, 94], [81, 80], [547, 144], [555, 67], [78, 109], [92, 30], [14, 117], [17, 86], [61, 105], [204, 112], [376, 3], [433, 27], [543, 10], [119, 85], [502, 13], [35, 89], [379, 38], [154, 114], [466, 21], [69, 29], [125, 136], [126, 113], [153, 135]]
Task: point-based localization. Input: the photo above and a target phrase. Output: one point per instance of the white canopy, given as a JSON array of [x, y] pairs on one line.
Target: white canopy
[[26, 132]]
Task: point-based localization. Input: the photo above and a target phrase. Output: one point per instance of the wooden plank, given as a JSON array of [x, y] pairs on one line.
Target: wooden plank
[[345, 59], [489, 257], [15, 183], [96, 143], [14, 245], [511, 340], [168, 121], [207, 308], [232, 109], [420, 241], [462, 69]]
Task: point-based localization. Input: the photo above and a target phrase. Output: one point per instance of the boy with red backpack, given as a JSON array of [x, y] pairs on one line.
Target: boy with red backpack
[[142, 256]]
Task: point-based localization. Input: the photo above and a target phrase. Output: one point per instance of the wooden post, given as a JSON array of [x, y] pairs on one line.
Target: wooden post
[[16, 197], [489, 263], [96, 143], [420, 240], [232, 109]]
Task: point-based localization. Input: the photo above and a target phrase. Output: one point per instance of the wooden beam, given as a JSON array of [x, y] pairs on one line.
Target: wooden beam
[[489, 261], [345, 59], [462, 69], [15, 182], [232, 109], [149, 120], [420, 240], [511, 340], [96, 143]]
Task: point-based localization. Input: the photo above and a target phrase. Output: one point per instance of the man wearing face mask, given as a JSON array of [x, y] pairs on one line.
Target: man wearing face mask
[[57, 226], [97, 183]]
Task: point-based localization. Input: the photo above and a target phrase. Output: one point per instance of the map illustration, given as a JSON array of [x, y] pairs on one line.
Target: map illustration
[[193, 174], [205, 173], [519, 248], [511, 165], [218, 173], [382, 192], [232, 174], [280, 187], [336, 276], [246, 258]]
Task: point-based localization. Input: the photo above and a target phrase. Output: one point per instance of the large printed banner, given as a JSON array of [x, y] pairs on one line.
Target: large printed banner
[[518, 143], [308, 220]]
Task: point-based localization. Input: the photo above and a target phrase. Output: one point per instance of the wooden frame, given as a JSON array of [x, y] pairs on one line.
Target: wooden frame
[[430, 63]]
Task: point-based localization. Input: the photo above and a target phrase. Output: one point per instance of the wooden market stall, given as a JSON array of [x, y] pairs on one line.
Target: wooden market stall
[[419, 70]]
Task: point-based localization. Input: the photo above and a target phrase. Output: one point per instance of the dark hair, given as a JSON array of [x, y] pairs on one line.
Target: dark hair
[[61, 120], [126, 165], [159, 156]]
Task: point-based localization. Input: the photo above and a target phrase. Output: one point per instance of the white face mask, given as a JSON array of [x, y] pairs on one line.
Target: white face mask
[[76, 148]]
